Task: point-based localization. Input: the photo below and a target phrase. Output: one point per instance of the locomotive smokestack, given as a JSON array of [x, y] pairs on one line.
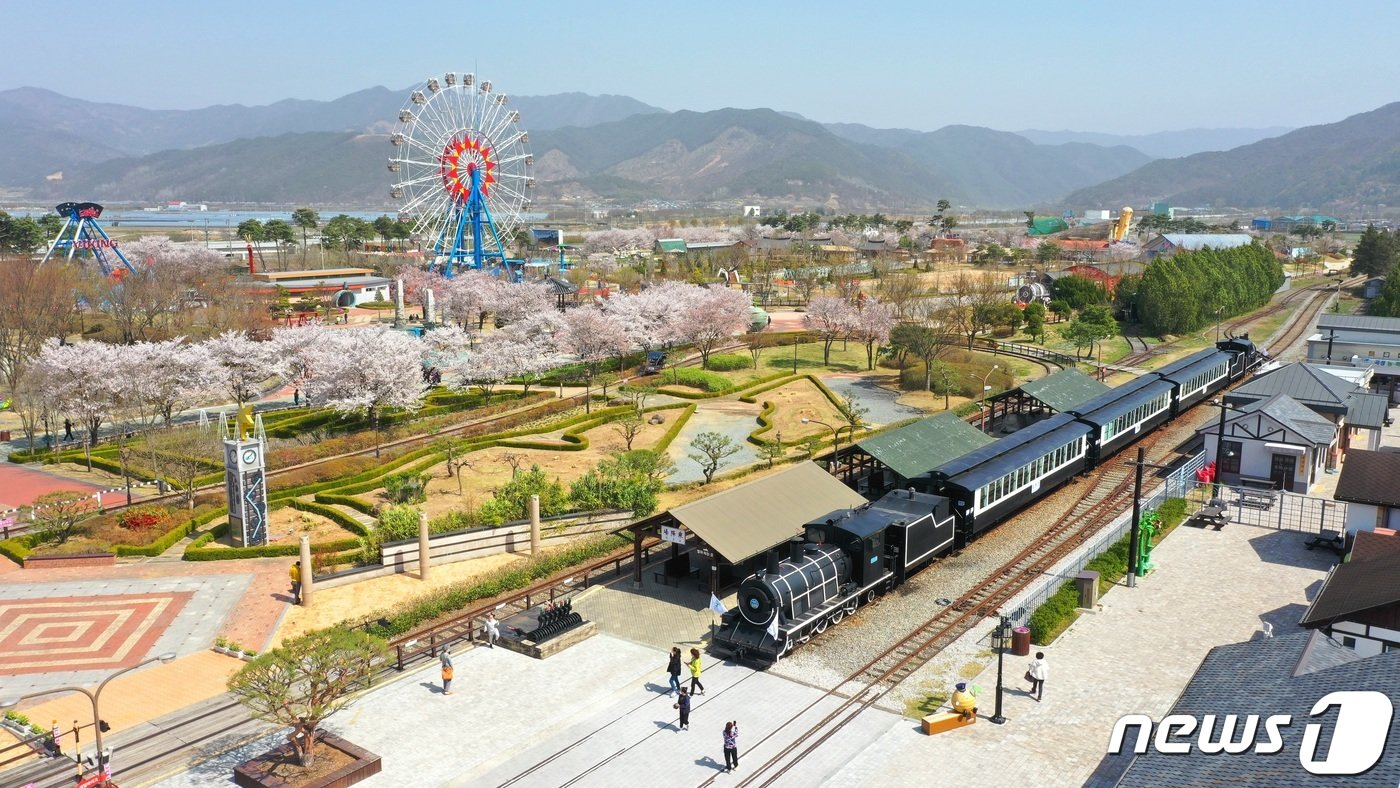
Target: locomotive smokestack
[[911, 493], [795, 548], [773, 561]]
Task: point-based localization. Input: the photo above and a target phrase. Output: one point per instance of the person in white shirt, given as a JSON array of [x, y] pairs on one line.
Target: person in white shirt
[[1036, 674]]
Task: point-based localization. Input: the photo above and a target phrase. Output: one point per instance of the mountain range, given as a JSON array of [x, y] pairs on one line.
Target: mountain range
[[1352, 165], [1162, 144], [617, 150]]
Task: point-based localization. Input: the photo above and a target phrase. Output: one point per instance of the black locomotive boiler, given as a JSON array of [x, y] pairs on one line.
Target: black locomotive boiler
[[842, 561]]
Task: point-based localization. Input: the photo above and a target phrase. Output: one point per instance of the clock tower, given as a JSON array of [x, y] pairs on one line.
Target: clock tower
[[245, 474]]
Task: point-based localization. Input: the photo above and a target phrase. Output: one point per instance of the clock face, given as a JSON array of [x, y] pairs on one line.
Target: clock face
[[250, 456]]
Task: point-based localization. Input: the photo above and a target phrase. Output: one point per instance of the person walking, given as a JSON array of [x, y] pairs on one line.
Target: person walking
[[731, 745], [446, 660], [1036, 675], [68, 429], [696, 688], [493, 629], [673, 667], [683, 703], [294, 572]]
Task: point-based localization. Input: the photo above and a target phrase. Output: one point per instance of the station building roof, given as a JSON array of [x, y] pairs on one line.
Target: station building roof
[[755, 516]]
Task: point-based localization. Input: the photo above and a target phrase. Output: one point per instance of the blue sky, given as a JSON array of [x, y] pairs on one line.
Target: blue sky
[[1124, 67]]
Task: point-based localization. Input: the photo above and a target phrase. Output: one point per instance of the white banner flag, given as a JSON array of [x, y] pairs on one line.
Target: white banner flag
[[773, 627], [717, 605]]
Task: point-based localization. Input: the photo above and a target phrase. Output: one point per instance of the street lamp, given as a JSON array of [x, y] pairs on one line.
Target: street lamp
[[1001, 640], [96, 715], [1220, 443], [835, 437], [986, 426]]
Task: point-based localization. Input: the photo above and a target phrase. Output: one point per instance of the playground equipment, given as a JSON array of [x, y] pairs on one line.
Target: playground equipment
[[461, 167], [1119, 231], [81, 231]]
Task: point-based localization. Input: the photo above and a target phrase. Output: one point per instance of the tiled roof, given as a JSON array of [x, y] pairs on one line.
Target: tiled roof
[[1371, 546], [1295, 416], [1303, 382], [1258, 677], [1370, 477], [1351, 588], [1065, 389], [1367, 410], [1213, 240], [918, 448]]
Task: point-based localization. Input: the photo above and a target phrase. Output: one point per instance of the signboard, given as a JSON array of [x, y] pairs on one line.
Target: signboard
[[672, 534], [705, 552], [6, 522]]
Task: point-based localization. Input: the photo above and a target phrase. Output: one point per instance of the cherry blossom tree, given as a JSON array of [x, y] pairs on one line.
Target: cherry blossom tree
[[650, 317], [447, 347], [463, 297], [831, 318], [712, 316], [524, 352], [874, 320], [168, 377], [593, 335], [241, 366], [511, 303], [298, 347], [367, 370], [86, 379]]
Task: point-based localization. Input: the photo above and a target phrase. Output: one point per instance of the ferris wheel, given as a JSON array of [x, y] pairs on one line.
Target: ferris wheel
[[461, 169]]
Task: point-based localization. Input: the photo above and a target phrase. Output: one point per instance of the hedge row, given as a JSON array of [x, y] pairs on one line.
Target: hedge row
[[18, 548], [665, 442], [751, 395], [358, 504], [269, 550], [172, 536], [334, 515], [1060, 610], [453, 598]]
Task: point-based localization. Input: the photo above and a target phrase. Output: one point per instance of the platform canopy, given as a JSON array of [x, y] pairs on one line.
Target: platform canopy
[[764, 513], [916, 449], [1065, 389]]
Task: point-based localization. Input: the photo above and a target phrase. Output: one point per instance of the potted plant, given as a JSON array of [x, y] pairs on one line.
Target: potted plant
[[249, 654], [221, 645]]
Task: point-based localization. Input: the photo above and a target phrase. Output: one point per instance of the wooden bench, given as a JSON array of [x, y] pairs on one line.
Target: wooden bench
[[1213, 513], [665, 579], [1261, 499], [944, 721]]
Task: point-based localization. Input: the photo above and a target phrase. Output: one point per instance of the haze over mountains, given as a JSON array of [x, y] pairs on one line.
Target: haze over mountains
[[614, 149]]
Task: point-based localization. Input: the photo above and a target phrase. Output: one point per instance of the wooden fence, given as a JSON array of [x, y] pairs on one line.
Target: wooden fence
[[509, 538]]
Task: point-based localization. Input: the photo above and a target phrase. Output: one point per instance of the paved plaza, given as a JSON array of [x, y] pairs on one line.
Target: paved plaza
[[598, 715]]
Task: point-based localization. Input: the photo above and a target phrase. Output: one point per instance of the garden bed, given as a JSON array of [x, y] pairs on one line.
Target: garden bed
[[338, 763]]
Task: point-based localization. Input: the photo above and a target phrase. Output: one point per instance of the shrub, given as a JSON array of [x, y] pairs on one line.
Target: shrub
[[406, 487], [334, 515], [512, 501], [454, 521], [146, 517], [697, 378], [729, 362], [397, 523]]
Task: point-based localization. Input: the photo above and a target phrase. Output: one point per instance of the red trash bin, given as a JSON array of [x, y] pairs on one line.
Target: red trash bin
[[1021, 641], [4, 436]]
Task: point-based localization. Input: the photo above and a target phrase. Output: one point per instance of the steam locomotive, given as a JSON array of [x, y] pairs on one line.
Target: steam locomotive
[[850, 557], [842, 561]]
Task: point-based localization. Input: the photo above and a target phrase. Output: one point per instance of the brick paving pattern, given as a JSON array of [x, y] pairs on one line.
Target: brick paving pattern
[[83, 633]]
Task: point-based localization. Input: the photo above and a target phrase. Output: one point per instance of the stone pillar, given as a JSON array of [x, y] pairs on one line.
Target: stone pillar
[[429, 307], [534, 525], [423, 552], [306, 574]]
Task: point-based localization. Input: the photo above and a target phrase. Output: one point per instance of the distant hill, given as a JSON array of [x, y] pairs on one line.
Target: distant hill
[[1162, 144], [729, 154], [1338, 167], [60, 131], [999, 169]]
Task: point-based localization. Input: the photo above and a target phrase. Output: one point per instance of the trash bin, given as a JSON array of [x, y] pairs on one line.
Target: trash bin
[[1088, 583], [4, 435], [1021, 641]]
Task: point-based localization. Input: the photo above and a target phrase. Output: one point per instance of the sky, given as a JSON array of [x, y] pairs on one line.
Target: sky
[[1125, 67]]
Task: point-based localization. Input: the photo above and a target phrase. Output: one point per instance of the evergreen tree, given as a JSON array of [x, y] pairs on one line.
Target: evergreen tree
[[1375, 254]]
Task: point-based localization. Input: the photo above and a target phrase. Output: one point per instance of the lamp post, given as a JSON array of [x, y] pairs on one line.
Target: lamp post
[[835, 438], [1218, 311], [1001, 637], [1141, 463], [986, 426], [93, 696], [1331, 335], [1220, 443]]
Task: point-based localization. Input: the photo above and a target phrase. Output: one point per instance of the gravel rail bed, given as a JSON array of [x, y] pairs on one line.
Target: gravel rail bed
[[828, 660]]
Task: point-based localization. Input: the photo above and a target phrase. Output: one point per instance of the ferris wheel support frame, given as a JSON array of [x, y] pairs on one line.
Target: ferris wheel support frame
[[477, 214]]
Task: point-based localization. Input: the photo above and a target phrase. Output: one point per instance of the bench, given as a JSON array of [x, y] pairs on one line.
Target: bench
[[1329, 539], [1213, 513], [944, 721], [666, 579], [1263, 499], [1257, 482]]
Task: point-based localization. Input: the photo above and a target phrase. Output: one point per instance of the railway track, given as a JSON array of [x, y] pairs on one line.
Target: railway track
[[882, 674], [1110, 494]]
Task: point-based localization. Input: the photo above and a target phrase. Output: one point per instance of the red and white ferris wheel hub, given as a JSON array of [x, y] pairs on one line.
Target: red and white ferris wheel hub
[[462, 155]]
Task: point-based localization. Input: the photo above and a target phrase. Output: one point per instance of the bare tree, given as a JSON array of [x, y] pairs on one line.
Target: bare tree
[[514, 460], [629, 427]]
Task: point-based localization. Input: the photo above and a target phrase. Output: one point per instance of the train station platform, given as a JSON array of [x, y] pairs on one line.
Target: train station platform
[[597, 714]]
